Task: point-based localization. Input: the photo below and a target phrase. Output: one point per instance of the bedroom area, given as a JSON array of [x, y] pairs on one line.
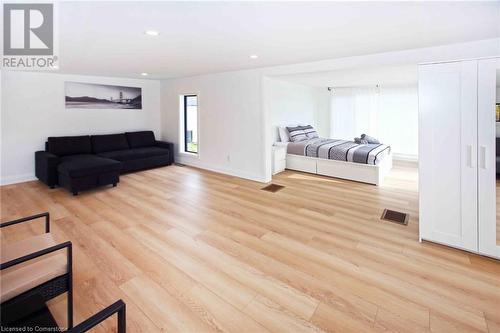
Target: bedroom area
[[351, 136]]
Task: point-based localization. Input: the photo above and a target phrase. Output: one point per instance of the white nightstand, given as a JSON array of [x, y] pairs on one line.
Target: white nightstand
[[279, 159]]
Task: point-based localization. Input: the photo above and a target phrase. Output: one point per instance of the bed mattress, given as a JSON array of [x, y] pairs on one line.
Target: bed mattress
[[340, 150]]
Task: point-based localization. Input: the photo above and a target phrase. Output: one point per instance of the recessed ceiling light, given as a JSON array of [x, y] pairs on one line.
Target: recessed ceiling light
[[254, 56], [144, 74], [54, 67], [151, 32]]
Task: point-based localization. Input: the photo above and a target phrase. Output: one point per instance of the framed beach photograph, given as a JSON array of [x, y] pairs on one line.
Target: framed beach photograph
[[80, 95]]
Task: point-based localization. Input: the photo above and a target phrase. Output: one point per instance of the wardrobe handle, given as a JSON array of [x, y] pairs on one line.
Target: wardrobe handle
[[469, 156], [482, 157]]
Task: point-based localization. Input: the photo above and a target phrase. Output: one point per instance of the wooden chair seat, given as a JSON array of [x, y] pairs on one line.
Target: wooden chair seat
[[26, 246], [20, 278]]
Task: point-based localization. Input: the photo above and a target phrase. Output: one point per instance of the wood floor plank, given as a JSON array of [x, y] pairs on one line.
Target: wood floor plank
[[220, 315], [222, 284], [100, 292], [389, 322], [281, 293], [163, 309], [276, 318], [402, 306], [331, 319], [170, 278], [355, 307], [110, 261]]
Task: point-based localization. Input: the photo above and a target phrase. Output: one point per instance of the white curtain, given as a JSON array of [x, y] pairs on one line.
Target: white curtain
[[353, 112], [388, 113], [398, 119]]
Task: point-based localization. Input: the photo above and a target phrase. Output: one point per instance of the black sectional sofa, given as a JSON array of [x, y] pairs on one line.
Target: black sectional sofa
[[79, 163]]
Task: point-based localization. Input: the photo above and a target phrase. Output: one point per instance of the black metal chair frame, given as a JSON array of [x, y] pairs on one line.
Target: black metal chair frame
[[118, 307], [49, 289], [61, 284]]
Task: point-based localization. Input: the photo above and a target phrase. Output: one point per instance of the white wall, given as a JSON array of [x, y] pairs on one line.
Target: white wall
[[33, 109], [292, 104], [231, 128]]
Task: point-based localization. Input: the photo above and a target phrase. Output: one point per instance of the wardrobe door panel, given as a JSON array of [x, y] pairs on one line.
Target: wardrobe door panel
[[489, 182], [448, 153]]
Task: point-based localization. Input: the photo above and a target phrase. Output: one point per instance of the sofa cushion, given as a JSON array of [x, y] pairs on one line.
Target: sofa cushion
[[135, 154], [108, 142], [141, 139], [69, 145], [86, 165]]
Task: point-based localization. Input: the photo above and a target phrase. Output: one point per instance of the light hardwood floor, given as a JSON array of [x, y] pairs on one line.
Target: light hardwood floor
[[195, 251]]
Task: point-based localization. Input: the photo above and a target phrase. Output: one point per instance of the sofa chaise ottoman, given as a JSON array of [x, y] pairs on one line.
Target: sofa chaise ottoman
[[80, 163]]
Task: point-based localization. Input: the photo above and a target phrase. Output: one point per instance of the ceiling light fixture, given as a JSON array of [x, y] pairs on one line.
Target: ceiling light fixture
[[144, 74], [151, 32], [254, 56]]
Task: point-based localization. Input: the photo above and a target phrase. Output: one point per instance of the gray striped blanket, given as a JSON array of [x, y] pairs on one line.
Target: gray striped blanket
[[340, 150]]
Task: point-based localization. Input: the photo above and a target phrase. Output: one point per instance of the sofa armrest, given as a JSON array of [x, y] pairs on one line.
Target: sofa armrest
[[46, 167], [169, 146]]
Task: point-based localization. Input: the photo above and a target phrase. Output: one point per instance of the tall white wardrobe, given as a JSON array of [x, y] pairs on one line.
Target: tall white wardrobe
[[457, 154]]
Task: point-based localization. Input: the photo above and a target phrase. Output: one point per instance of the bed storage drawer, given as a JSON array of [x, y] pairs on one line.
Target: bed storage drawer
[[347, 170], [301, 163]]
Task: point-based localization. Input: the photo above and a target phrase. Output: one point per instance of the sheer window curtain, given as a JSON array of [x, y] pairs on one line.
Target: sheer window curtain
[[353, 112], [389, 113]]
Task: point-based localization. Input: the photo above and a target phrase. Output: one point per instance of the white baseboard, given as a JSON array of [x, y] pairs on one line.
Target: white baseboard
[[227, 171], [405, 157], [17, 179], [405, 160]]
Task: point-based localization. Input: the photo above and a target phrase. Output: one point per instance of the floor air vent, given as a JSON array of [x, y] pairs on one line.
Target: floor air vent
[[273, 188], [395, 216]]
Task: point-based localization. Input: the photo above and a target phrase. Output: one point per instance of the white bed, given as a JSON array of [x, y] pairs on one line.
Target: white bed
[[366, 173]]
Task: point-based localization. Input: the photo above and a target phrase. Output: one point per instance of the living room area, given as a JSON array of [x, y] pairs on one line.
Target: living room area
[[170, 167], [44, 110]]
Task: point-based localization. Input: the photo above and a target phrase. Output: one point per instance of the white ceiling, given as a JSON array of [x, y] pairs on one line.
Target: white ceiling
[[106, 38]]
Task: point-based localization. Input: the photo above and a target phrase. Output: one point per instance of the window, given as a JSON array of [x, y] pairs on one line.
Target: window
[[191, 124]]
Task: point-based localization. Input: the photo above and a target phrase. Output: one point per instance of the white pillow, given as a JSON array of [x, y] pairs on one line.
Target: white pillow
[[284, 137]]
